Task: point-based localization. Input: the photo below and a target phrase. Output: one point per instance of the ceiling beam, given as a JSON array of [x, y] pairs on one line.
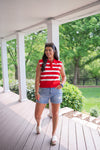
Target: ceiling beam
[[43, 24]]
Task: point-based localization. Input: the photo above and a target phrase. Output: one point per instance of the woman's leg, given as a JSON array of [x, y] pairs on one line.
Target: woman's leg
[[55, 116], [38, 112]]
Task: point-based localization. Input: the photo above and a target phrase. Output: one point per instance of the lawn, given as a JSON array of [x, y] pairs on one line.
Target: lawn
[[92, 96]]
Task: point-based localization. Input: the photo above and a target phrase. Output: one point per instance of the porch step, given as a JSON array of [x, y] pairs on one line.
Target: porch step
[[66, 111], [85, 117], [97, 121], [77, 114], [81, 117], [87, 123], [92, 119]]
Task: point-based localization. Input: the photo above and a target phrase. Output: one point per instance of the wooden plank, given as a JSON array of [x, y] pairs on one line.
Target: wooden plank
[[9, 97], [17, 123], [3, 114], [4, 126], [48, 136], [17, 129], [9, 127], [80, 137], [26, 133], [24, 136], [6, 109], [32, 136], [1, 107], [64, 134], [96, 138], [16, 140], [7, 113], [88, 138], [40, 138], [4, 119], [72, 135]]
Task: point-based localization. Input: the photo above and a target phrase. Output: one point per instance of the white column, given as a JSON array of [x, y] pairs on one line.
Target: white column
[[53, 36], [4, 65], [53, 32], [21, 66]]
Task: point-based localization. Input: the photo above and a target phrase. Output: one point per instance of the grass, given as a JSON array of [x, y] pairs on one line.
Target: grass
[[92, 96]]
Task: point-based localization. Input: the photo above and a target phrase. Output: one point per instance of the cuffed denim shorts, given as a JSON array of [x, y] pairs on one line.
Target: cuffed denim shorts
[[54, 94]]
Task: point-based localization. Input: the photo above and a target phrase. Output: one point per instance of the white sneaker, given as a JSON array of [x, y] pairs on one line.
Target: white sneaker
[[53, 140], [38, 129]]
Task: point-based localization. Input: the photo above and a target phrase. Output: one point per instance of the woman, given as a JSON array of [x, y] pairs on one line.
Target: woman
[[48, 86]]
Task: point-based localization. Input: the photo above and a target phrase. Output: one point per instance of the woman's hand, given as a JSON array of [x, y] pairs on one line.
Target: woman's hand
[[37, 81], [37, 96], [59, 87]]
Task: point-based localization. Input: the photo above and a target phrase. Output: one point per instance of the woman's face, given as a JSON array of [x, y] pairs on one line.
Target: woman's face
[[49, 52]]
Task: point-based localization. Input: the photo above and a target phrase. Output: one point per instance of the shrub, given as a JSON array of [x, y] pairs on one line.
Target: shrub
[[72, 97], [30, 88], [13, 85], [94, 112], [31, 94], [1, 83]]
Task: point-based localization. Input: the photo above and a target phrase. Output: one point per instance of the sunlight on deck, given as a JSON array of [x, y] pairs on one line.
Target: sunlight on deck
[[17, 128]]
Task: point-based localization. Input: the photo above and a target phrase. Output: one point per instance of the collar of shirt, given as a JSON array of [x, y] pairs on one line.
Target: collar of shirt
[[51, 62]]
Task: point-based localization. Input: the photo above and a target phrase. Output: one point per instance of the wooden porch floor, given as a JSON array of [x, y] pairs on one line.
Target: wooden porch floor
[[17, 129]]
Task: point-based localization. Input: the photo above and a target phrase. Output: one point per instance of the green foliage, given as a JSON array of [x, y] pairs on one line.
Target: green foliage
[[79, 40], [92, 100], [79, 49], [13, 86], [94, 112], [94, 68], [1, 82], [72, 97], [34, 48], [12, 59], [30, 88], [31, 94]]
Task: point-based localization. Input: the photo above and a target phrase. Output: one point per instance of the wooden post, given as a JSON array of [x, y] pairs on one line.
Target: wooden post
[[4, 65], [21, 66], [53, 36]]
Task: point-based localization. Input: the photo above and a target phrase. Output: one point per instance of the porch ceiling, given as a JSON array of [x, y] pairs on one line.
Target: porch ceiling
[[30, 15]]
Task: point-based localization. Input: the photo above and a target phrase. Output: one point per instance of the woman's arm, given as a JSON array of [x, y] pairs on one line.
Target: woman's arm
[[63, 77], [37, 81]]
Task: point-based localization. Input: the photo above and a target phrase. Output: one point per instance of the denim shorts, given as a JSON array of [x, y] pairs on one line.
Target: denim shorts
[[54, 94]]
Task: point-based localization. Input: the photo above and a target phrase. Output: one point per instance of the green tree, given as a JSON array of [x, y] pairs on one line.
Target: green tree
[[12, 58], [79, 39], [34, 46], [94, 68]]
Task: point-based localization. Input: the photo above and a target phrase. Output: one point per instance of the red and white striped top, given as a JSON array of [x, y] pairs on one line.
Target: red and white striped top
[[50, 77]]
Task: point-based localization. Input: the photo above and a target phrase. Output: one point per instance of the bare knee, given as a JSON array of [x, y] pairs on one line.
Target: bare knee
[[55, 115], [37, 116], [38, 110]]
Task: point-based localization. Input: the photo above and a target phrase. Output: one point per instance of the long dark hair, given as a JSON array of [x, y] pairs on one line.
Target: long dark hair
[[45, 58]]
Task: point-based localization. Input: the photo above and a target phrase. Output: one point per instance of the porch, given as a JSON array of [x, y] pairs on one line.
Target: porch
[[17, 128]]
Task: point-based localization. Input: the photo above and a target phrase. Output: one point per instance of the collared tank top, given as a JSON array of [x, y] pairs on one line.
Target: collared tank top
[[50, 77]]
